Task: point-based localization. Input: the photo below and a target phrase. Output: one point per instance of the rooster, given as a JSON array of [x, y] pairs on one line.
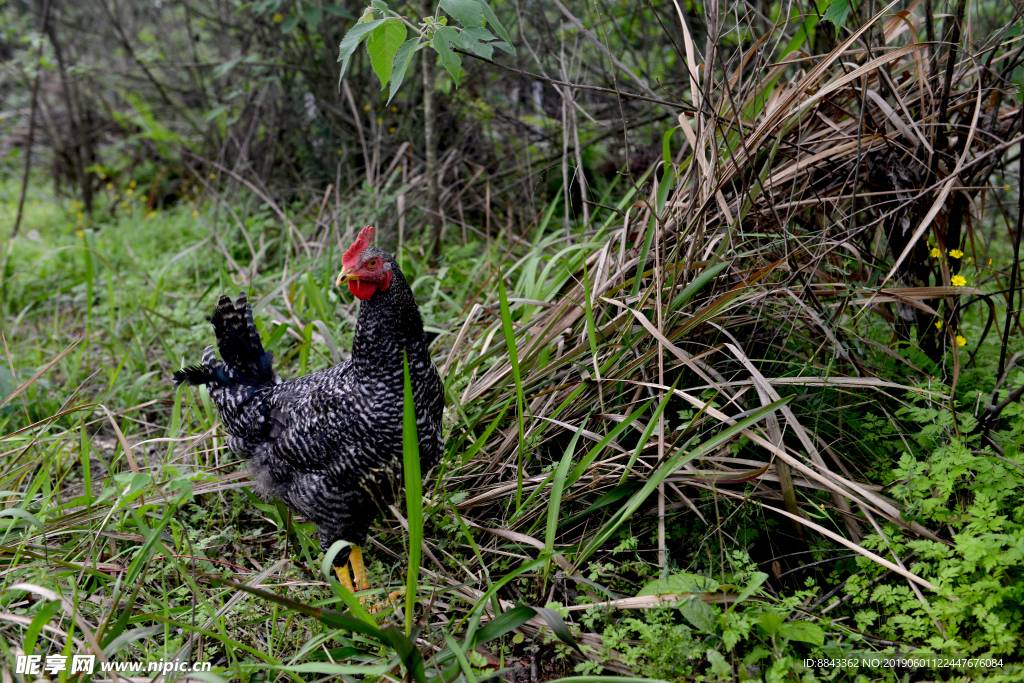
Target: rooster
[[329, 444]]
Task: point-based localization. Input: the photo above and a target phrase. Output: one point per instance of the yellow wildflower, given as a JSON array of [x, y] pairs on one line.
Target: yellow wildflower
[[380, 120], [278, 18], [393, 108], [956, 253], [961, 340], [959, 281], [129, 191], [212, 176], [131, 184], [936, 253], [391, 129], [79, 216], [990, 263], [195, 214], [110, 186], [938, 324], [366, 107]]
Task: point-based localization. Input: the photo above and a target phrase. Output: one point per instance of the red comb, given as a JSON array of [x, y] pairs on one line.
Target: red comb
[[351, 258]]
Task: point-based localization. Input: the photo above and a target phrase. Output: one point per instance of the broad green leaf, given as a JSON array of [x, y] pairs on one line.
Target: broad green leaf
[[701, 615], [680, 582], [502, 624], [492, 19], [402, 61], [289, 24], [351, 41], [473, 39], [382, 44], [468, 12], [769, 623], [444, 39], [803, 631], [836, 13]]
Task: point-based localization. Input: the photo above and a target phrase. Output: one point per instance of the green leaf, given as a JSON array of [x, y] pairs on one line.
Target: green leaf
[[482, 439], [502, 624], [413, 494], [513, 354], [558, 627], [700, 614], [557, 486], [315, 297], [402, 61], [755, 582], [836, 13], [769, 623], [407, 652], [492, 19], [327, 566], [41, 619], [803, 631], [351, 41], [22, 514], [444, 39], [473, 39], [467, 671], [289, 24], [382, 44], [468, 12], [681, 582]]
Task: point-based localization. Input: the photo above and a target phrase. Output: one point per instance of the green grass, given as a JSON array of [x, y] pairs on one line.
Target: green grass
[[121, 497]]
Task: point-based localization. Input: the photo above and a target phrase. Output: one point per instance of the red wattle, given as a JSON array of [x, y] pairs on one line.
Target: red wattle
[[362, 289]]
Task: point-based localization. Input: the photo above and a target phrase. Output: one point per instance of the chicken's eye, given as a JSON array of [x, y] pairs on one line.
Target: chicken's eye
[[371, 264]]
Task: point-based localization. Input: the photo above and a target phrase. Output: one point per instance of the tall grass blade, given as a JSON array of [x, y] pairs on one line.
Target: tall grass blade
[[510, 341], [413, 494]]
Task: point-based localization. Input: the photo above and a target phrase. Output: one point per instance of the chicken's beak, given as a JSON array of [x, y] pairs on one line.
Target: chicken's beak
[[345, 276]]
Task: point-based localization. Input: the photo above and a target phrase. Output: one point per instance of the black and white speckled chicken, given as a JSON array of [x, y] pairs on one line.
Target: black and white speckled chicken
[[329, 444]]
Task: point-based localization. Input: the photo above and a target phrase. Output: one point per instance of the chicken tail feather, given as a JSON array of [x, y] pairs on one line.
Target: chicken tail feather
[[239, 342], [244, 360]]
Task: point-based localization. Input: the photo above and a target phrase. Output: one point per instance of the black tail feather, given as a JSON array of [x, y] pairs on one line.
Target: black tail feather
[[239, 342], [201, 374]]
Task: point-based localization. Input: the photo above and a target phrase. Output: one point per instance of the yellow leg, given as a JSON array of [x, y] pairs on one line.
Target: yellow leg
[[359, 569], [345, 578]]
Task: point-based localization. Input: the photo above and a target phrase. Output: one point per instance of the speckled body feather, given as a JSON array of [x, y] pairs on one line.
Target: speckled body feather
[[329, 444]]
